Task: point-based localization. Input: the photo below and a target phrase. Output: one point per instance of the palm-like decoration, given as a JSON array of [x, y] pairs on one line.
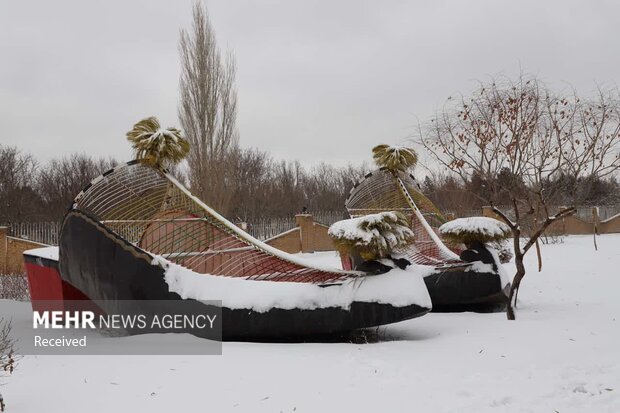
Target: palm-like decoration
[[372, 236], [399, 159], [471, 229], [155, 146], [394, 158]]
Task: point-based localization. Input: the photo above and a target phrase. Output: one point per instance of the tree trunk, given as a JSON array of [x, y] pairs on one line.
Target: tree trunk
[[516, 282]]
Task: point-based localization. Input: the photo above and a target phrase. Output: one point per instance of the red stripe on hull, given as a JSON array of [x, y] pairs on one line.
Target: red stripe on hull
[[45, 285]]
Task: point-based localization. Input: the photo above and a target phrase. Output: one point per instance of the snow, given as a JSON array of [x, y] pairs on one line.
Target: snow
[[397, 287], [327, 258], [504, 277], [365, 230], [333, 258], [561, 354], [50, 253], [490, 227]]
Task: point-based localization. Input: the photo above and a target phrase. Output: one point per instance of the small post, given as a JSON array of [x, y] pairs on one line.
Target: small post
[[595, 222], [3, 249], [305, 222], [487, 211]]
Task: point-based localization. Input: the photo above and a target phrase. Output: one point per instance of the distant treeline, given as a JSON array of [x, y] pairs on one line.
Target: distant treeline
[[451, 194], [260, 186]]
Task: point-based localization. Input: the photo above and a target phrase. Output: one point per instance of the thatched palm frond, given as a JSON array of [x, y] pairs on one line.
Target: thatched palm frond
[[372, 236], [394, 158], [481, 229], [156, 146]]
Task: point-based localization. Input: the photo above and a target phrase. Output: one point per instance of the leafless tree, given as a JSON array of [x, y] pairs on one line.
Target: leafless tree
[[269, 188], [60, 180], [253, 175], [326, 187], [8, 360], [18, 200], [7, 347], [208, 111], [522, 132], [449, 194]]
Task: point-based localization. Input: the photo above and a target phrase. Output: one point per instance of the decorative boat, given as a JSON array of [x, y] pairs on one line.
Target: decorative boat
[[136, 233], [452, 283]]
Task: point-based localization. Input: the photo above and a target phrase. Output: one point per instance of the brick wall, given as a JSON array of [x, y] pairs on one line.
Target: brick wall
[[573, 225], [11, 250], [289, 241], [308, 236], [611, 225]]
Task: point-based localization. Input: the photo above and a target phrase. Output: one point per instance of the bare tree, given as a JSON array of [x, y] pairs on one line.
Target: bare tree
[[60, 180], [269, 188], [18, 199], [449, 194], [519, 131], [252, 174], [327, 187], [8, 360], [208, 111]]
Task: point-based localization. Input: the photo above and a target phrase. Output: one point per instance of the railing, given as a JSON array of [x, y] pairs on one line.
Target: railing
[[583, 212], [329, 217], [462, 214], [265, 228], [268, 227], [604, 212], [42, 232]]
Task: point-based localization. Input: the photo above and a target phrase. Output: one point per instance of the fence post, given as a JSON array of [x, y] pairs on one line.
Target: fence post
[[3, 249], [596, 220], [305, 222]]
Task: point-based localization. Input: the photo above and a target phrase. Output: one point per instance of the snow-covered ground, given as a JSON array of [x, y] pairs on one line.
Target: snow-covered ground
[[561, 355]]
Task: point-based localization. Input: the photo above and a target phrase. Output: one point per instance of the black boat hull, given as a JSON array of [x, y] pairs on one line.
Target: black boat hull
[[107, 269], [462, 288]]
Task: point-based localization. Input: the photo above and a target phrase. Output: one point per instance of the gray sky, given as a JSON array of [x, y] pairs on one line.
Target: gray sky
[[317, 81]]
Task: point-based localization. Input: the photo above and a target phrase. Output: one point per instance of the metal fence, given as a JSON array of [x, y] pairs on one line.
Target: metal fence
[[268, 227], [463, 214], [329, 217], [265, 228], [604, 212], [42, 232], [583, 212]]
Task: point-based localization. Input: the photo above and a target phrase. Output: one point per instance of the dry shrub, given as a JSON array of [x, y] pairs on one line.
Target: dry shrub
[[8, 360], [14, 287]]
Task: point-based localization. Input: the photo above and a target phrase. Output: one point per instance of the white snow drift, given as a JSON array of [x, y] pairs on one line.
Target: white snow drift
[[397, 287]]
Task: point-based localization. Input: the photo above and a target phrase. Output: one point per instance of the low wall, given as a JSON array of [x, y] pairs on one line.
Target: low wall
[[308, 236], [289, 241], [11, 250], [573, 225], [611, 225]]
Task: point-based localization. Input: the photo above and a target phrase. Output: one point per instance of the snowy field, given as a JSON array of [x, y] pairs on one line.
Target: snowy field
[[561, 355]]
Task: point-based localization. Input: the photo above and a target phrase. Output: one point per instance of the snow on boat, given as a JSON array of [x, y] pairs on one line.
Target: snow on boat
[[452, 284], [136, 233]]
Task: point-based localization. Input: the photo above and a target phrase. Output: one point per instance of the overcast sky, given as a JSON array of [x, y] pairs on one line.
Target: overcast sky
[[317, 81]]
